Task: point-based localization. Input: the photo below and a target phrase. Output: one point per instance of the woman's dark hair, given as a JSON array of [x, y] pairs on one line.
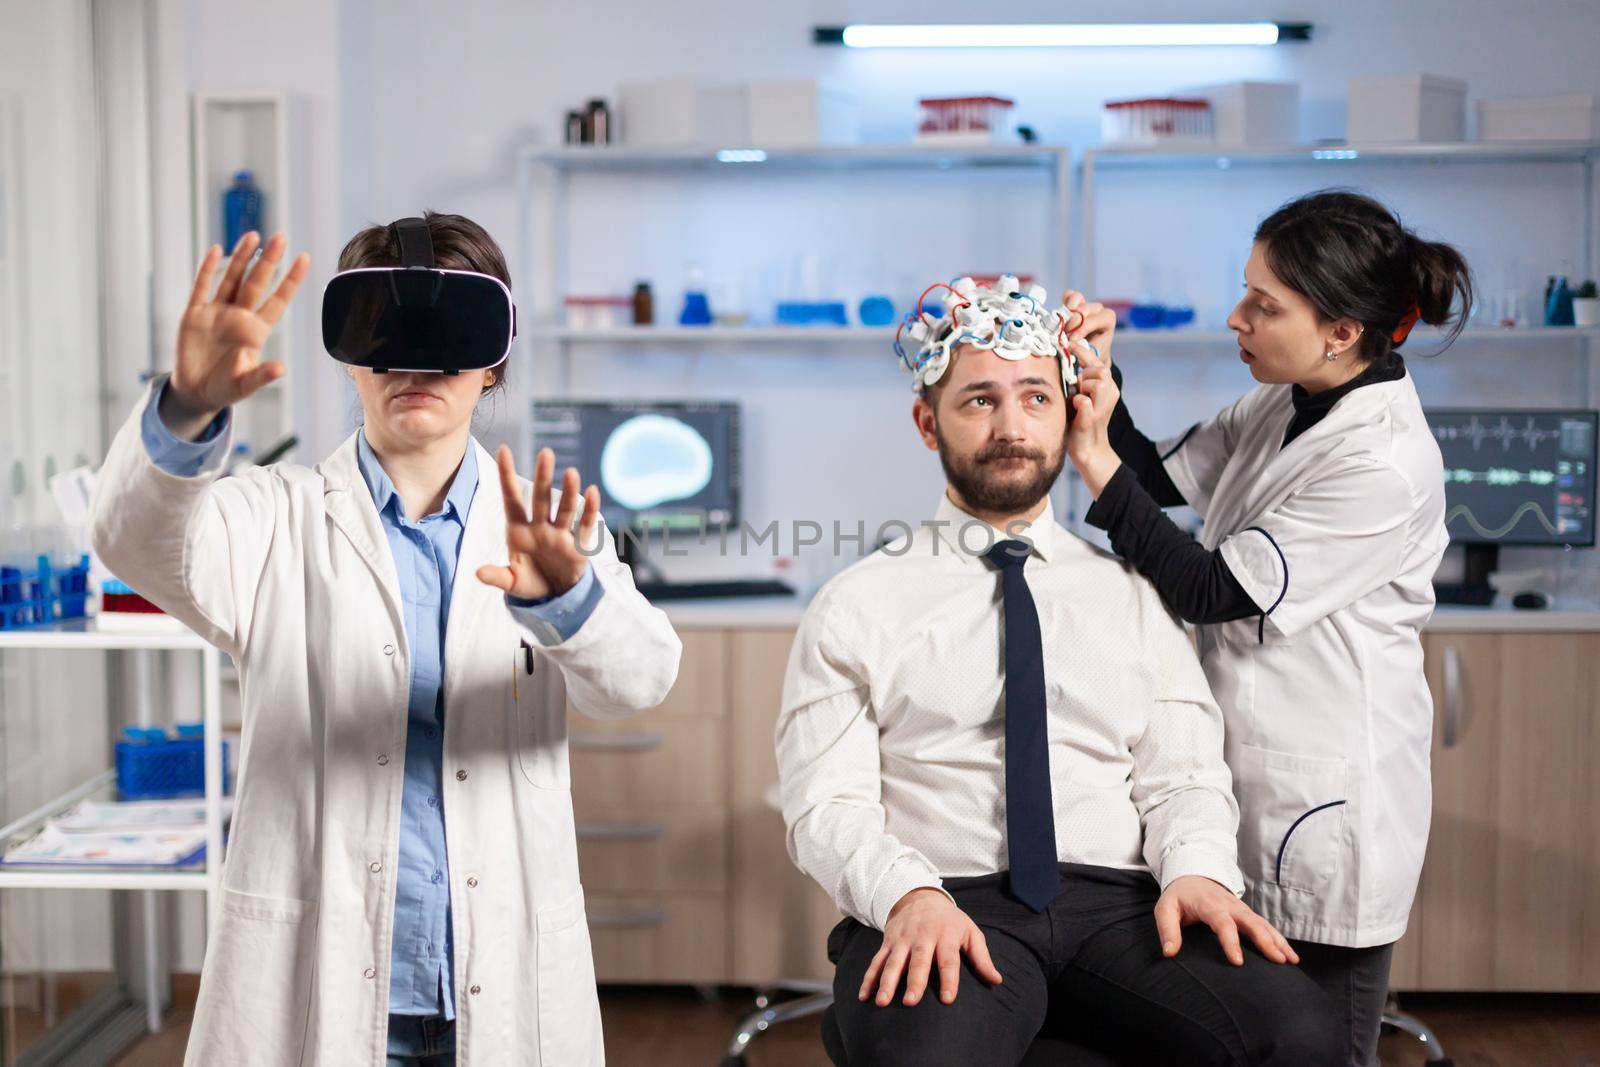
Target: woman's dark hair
[[458, 244], [1350, 256]]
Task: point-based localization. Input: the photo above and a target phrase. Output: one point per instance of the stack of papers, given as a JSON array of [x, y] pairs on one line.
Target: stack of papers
[[146, 833], [56, 848]]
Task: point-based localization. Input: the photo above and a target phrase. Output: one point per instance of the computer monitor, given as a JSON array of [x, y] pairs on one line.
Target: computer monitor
[[1514, 477], [670, 465]]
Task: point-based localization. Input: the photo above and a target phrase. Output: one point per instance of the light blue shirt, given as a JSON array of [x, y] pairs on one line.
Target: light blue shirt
[[425, 555]]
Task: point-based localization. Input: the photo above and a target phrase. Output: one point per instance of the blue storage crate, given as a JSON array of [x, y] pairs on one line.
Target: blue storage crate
[[44, 595], [153, 765]]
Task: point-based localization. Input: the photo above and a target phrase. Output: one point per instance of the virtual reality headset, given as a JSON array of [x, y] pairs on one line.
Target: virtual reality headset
[[415, 317]]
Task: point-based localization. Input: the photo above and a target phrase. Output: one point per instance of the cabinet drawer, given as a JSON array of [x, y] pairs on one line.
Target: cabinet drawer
[[678, 851], [640, 765], [655, 938]]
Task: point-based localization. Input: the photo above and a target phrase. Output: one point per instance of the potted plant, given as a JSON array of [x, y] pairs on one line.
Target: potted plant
[[1586, 305]]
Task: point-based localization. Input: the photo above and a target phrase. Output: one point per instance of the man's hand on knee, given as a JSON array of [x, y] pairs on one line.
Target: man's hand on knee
[[1196, 899], [925, 929]]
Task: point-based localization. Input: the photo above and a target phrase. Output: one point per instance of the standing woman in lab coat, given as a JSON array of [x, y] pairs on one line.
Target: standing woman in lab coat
[[1322, 491], [401, 884]]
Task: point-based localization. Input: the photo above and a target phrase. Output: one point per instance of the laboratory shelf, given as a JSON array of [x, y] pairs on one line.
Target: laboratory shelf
[[54, 877], [880, 335], [755, 158], [89, 878], [1419, 340], [546, 175], [884, 335], [1301, 155], [1584, 154], [93, 634], [142, 639]]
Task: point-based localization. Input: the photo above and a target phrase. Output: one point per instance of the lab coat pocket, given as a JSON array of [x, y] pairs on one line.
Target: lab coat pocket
[[569, 1004], [259, 967], [541, 733], [1291, 817]]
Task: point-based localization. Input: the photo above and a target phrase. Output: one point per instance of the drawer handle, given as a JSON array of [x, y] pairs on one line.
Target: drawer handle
[[621, 831], [640, 742], [1452, 696], [623, 919]]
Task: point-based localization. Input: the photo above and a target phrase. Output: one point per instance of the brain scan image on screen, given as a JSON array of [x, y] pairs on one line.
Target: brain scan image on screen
[[651, 459]]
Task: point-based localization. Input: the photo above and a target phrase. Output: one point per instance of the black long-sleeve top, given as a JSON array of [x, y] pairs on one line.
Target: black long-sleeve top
[[1195, 582]]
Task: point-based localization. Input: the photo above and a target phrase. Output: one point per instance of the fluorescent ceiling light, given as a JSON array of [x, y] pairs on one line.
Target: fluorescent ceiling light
[[1064, 35], [741, 155]]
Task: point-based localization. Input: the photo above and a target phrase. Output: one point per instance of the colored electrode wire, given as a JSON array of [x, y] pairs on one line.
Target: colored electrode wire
[[1000, 318]]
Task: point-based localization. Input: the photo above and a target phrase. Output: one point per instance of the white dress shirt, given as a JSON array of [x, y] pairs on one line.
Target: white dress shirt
[[891, 739]]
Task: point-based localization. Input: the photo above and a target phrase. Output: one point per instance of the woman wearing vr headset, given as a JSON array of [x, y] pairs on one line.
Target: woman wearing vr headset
[[401, 883], [1323, 496]]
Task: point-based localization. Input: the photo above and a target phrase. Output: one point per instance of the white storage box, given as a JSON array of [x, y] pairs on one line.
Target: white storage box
[[1540, 118], [801, 113], [681, 111], [1406, 107], [1253, 113]]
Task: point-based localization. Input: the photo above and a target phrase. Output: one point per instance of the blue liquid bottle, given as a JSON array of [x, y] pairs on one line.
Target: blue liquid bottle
[[696, 307], [241, 210]]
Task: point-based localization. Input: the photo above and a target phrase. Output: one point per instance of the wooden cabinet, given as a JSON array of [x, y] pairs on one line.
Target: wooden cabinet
[[1510, 892], [650, 797], [682, 852], [781, 917], [680, 844]]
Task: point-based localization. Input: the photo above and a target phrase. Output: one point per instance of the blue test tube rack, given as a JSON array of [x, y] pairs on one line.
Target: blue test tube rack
[[43, 595], [155, 765]]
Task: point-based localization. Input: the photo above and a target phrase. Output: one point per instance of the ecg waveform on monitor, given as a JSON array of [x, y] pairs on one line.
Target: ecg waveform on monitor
[[1461, 511], [1498, 476], [1504, 432]]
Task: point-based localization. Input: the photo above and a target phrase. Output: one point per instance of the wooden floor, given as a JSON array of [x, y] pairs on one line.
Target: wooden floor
[[651, 1026]]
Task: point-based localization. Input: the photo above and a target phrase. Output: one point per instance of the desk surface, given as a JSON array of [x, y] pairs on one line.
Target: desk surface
[[737, 613], [1455, 619], [780, 613]]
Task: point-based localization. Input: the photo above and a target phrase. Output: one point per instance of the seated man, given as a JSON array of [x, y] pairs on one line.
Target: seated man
[[1000, 757]]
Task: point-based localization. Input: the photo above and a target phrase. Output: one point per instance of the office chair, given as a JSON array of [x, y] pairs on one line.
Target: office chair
[[817, 999], [1395, 1019]]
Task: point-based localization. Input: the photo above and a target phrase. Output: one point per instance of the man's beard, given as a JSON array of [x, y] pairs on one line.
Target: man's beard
[[980, 485]]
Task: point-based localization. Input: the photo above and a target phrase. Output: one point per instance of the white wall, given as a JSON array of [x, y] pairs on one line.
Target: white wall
[[404, 105]]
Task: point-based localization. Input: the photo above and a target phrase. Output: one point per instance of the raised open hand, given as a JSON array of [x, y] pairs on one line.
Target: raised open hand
[[545, 556], [218, 361]]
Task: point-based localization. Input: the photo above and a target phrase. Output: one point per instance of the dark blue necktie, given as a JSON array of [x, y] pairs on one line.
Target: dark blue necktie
[[1030, 818]]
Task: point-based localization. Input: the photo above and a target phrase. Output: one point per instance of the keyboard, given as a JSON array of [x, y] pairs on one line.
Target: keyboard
[[706, 590], [1463, 593]]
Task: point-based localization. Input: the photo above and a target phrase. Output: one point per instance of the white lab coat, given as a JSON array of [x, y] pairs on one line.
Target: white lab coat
[[287, 569], [1327, 711]]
